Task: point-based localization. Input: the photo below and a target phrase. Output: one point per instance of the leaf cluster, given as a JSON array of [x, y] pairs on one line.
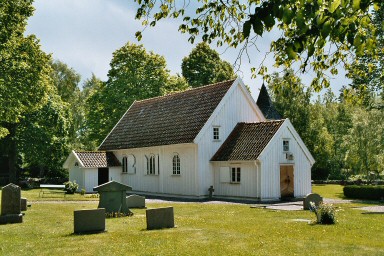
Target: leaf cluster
[[317, 34]]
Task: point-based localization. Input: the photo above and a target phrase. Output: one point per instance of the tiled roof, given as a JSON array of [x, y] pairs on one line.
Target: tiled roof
[[266, 106], [247, 141], [172, 119], [98, 159]]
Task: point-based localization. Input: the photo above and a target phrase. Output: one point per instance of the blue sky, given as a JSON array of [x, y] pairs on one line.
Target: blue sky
[[84, 34]]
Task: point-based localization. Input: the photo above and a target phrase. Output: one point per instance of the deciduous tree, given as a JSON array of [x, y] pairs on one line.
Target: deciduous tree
[[204, 66]]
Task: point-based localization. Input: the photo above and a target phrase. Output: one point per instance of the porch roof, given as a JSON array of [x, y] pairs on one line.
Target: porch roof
[[247, 141]]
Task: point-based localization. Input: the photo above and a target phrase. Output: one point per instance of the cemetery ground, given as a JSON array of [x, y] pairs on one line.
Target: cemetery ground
[[202, 228]]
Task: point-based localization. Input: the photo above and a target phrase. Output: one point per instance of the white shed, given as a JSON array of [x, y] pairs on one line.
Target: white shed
[[92, 168]]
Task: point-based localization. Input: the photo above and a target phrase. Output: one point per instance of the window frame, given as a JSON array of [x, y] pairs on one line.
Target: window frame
[[286, 145], [235, 175], [216, 133], [124, 166], [176, 165], [151, 164]]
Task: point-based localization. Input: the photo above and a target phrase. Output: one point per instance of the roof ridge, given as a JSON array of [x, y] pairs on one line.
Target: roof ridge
[[266, 121], [188, 90]]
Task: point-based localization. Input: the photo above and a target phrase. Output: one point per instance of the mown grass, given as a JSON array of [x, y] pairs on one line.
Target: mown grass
[[329, 191], [202, 229]]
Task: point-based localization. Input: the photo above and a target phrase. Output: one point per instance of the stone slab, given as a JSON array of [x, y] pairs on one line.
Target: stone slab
[[23, 204], [89, 221], [10, 199], [160, 218], [11, 218], [312, 197], [135, 201]]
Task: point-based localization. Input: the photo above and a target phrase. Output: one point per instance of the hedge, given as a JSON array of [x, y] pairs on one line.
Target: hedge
[[364, 192]]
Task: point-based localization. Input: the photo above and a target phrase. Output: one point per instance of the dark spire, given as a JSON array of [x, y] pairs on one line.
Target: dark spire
[[265, 104]]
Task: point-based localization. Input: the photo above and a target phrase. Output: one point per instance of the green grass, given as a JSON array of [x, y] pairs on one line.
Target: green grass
[[202, 229], [329, 191]]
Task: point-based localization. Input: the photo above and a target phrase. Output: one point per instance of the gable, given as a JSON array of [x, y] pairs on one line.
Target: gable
[[166, 120], [247, 141]]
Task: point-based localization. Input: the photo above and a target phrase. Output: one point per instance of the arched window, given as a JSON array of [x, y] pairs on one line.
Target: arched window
[[151, 164], [176, 164], [125, 164]]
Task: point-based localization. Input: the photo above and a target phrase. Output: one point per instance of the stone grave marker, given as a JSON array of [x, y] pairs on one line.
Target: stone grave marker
[[135, 201], [113, 197], [89, 221], [312, 197], [160, 218], [11, 204], [23, 204]]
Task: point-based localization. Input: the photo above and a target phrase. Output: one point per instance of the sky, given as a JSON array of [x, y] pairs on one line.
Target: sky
[[84, 34]]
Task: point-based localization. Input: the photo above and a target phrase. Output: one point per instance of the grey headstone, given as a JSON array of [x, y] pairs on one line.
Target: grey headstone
[[10, 199], [313, 197], [89, 221], [160, 218], [23, 204], [135, 201], [113, 197]]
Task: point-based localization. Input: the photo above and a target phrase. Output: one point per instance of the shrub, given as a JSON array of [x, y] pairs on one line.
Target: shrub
[[71, 187], [325, 213], [368, 192]]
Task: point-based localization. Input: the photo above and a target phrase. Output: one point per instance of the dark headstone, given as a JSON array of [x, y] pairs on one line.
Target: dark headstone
[[89, 221], [10, 199], [313, 197], [113, 197], [160, 218], [23, 204], [135, 201]]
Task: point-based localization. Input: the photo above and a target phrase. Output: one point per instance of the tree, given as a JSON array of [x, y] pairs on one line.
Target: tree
[[66, 82], [42, 139], [203, 66], [366, 71], [364, 143], [24, 76], [317, 34], [291, 99], [135, 74]]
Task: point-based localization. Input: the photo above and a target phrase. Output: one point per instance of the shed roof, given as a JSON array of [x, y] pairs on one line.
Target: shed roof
[[97, 159], [247, 141], [172, 119]]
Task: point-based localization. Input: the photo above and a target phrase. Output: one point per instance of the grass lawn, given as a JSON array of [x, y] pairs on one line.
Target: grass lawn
[[202, 229], [329, 191]]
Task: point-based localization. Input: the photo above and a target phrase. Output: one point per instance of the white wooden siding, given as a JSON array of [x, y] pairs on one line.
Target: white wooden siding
[[91, 176], [273, 157], [236, 106], [165, 182], [248, 185], [76, 174]]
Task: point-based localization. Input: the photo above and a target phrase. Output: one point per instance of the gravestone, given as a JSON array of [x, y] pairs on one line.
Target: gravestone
[[113, 197], [89, 221], [23, 204], [160, 218], [135, 201], [10, 199], [11, 204], [312, 197]]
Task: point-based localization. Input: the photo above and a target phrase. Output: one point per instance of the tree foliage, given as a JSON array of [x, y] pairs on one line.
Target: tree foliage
[[24, 76], [203, 66], [316, 34], [135, 74], [366, 71]]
